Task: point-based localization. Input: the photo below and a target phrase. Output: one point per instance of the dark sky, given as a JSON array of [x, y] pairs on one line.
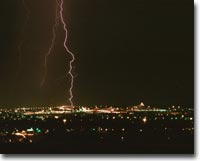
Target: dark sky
[[126, 51]]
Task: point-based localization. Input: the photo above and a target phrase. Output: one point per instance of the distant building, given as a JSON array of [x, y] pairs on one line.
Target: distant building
[[141, 105]]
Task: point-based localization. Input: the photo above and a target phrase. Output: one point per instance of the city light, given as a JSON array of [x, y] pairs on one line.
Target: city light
[[100, 123], [144, 119], [64, 120]]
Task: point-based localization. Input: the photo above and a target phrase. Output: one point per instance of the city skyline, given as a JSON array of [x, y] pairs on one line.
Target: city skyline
[[66, 129]]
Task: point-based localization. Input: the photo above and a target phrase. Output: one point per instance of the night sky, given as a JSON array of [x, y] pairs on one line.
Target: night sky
[[126, 51]]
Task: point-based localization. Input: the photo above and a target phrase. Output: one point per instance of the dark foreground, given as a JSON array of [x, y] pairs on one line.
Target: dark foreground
[[81, 133], [99, 148]]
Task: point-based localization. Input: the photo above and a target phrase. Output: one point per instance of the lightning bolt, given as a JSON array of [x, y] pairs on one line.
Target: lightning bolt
[[55, 26], [21, 41], [69, 52]]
